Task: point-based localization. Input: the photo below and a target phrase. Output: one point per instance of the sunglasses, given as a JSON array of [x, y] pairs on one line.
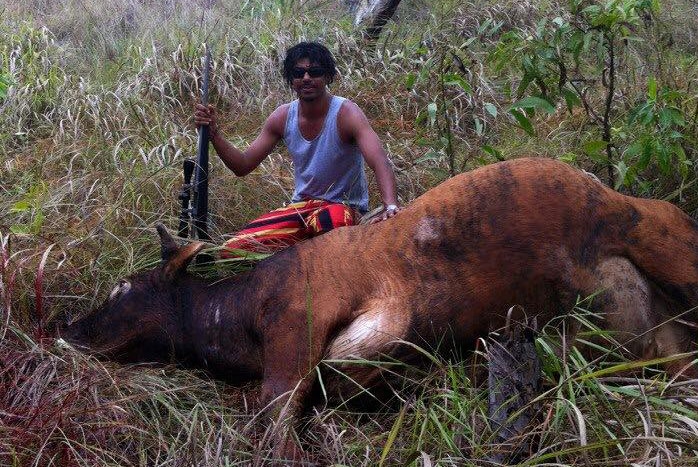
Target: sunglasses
[[313, 72]]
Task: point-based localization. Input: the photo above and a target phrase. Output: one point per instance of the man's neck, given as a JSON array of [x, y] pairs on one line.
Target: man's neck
[[315, 108]]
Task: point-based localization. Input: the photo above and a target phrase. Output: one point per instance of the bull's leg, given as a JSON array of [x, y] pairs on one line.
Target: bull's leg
[[285, 395], [625, 300], [674, 338], [639, 317], [290, 357], [374, 333]]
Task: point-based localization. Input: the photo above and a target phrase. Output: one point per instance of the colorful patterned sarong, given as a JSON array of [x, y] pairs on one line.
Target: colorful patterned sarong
[[283, 227]]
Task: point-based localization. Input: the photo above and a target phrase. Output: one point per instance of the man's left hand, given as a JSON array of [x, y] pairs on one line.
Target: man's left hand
[[389, 211]]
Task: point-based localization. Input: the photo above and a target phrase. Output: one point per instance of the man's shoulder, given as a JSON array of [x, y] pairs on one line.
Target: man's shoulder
[[346, 102], [281, 110], [349, 106], [277, 119], [349, 112]]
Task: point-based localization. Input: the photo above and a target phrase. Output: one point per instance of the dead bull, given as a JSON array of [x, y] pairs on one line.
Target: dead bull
[[529, 232]]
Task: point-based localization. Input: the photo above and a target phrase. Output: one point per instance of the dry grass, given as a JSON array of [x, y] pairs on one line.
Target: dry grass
[[60, 407], [95, 125]]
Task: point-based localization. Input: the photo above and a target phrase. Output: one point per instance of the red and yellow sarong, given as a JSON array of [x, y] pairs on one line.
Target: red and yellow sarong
[[283, 227]]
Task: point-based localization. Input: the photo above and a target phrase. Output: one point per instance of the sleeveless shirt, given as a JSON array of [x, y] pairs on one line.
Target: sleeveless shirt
[[326, 168]]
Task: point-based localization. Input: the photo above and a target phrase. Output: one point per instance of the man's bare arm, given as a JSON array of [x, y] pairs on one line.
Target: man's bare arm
[[354, 125], [242, 163]]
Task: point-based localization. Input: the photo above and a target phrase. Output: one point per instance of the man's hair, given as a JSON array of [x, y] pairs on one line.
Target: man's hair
[[313, 51]]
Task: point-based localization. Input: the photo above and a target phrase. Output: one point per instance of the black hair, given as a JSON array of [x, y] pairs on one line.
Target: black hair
[[313, 51]]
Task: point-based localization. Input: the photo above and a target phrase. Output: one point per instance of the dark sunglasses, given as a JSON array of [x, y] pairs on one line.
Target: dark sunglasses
[[313, 72]]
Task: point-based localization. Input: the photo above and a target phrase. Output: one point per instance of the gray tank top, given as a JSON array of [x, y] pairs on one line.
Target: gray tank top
[[326, 168]]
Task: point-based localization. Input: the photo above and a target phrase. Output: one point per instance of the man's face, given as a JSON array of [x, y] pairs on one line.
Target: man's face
[[309, 80]]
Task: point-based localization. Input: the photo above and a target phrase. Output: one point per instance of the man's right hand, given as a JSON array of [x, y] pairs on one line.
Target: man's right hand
[[206, 116]]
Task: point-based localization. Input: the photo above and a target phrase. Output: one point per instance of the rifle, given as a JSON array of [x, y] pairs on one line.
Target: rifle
[[193, 217]]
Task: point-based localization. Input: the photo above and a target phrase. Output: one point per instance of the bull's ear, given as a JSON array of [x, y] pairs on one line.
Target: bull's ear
[[175, 258], [168, 247], [178, 263]]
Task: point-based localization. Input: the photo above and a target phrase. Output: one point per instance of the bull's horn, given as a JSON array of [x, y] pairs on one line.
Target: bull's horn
[[168, 247]]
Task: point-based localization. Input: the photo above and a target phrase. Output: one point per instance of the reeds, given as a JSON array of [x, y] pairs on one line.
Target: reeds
[[94, 126]]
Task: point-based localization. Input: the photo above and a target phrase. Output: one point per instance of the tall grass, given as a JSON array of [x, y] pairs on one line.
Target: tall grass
[[93, 129], [60, 407]]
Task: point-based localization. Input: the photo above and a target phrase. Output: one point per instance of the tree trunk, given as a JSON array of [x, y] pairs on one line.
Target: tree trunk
[[372, 14]]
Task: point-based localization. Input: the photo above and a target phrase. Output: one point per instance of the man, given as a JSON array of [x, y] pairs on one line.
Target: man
[[329, 139]]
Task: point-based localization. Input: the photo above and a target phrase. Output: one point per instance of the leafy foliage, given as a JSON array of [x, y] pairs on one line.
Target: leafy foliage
[[4, 86], [564, 59], [658, 126], [96, 102]]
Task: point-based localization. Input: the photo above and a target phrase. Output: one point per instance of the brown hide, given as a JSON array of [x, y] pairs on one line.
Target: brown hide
[[529, 232]]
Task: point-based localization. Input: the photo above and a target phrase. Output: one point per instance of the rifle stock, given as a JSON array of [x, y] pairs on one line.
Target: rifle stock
[[185, 198]]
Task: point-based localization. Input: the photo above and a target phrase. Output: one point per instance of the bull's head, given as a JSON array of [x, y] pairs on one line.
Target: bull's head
[[141, 319]]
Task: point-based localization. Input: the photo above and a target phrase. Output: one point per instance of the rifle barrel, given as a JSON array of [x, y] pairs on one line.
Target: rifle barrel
[[200, 209]]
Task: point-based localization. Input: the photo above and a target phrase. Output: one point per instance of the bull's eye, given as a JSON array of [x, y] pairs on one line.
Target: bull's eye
[[121, 288]]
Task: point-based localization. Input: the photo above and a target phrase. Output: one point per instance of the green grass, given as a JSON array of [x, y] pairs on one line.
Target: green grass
[[95, 116], [61, 407]]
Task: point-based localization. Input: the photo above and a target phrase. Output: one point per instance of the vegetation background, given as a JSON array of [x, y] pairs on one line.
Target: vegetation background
[[96, 106]]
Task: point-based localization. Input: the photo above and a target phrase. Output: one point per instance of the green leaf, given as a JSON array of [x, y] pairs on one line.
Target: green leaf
[[634, 149], [652, 88], [392, 436], [429, 156], [669, 116], [454, 79], [569, 157], [648, 147], [663, 159], [4, 85], [410, 80], [483, 27], [37, 222], [523, 121], [478, 126], [533, 102], [431, 109], [647, 117], [493, 152], [21, 206], [664, 118], [675, 135], [622, 368], [593, 148], [525, 81], [633, 38], [639, 111], [682, 160], [571, 99], [20, 229], [622, 170], [592, 10], [587, 42], [491, 109]]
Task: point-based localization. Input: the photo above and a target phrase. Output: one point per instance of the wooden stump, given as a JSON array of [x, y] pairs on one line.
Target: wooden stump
[[514, 381]]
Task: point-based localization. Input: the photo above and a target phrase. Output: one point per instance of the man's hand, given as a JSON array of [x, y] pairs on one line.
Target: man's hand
[[206, 116], [389, 211]]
